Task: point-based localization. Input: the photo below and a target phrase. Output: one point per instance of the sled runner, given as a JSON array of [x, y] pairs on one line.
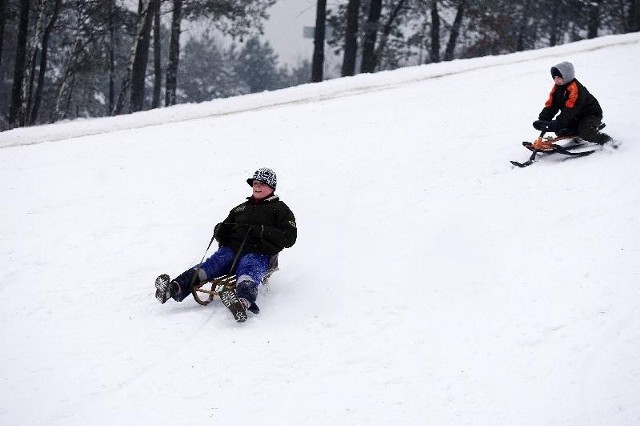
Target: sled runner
[[209, 289]]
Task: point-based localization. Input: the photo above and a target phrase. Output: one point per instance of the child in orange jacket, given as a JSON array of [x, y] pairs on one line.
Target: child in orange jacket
[[580, 113]]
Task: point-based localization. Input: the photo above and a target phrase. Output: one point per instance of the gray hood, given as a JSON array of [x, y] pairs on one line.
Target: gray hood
[[566, 71]]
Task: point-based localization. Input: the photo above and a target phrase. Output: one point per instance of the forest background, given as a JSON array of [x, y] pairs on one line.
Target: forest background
[[64, 59]]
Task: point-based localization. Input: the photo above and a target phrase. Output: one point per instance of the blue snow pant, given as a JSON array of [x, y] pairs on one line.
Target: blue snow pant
[[250, 269]]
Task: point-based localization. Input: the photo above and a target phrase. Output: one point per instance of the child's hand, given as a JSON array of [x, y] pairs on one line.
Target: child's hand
[[553, 126], [540, 125]]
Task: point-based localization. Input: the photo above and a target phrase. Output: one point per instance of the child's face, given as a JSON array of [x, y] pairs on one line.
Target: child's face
[[261, 190], [559, 81]]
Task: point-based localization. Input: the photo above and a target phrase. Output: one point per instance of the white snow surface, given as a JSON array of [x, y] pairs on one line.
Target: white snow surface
[[431, 283]]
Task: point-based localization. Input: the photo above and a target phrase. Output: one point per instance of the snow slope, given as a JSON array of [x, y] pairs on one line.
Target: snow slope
[[431, 283]]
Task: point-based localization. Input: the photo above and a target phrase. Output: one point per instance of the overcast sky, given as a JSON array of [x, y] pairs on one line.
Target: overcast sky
[[284, 29]]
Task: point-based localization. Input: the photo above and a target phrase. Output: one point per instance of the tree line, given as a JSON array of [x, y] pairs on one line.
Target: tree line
[[63, 59], [374, 35]]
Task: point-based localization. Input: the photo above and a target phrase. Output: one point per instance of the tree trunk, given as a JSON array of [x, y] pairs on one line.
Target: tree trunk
[[522, 31], [594, 18], [351, 38], [370, 36], [43, 62], [455, 31], [112, 56], [67, 104], [128, 76], [20, 63], [30, 68], [3, 21], [68, 73], [386, 30], [634, 16], [174, 55], [157, 57], [555, 18], [434, 51], [139, 70], [317, 65]]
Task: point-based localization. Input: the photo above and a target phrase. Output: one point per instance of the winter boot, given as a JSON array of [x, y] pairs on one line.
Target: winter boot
[[251, 306], [590, 131], [247, 290], [165, 288], [185, 282], [234, 304]]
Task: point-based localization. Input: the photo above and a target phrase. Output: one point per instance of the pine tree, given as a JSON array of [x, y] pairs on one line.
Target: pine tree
[[257, 66]]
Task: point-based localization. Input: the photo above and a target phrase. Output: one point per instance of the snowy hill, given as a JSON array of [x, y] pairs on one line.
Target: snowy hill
[[431, 283]]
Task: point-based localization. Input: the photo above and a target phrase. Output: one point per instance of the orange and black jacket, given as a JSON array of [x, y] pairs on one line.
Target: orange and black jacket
[[574, 102]]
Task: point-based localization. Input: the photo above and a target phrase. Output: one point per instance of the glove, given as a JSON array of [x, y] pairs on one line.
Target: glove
[[540, 125], [553, 126], [547, 126], [256, 231], [221, 232]]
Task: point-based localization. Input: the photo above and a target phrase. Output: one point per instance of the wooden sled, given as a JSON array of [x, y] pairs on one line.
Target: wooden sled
[[205, 292]]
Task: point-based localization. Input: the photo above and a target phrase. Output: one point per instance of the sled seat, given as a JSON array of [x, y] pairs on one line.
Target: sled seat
[[213, 287]]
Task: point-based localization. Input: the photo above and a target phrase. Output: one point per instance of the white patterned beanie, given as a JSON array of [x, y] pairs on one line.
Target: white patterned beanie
[[264, 175]]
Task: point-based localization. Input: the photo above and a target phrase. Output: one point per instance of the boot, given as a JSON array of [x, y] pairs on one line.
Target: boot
[[165, 288], [248, 291], [231, 301], [250, 306], [185, 281]]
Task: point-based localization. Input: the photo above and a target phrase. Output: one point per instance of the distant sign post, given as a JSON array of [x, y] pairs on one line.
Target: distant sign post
[[310, 32]]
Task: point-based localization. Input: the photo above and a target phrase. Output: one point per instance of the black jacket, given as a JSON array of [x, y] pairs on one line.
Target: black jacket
[[574, 102], [268, 225]]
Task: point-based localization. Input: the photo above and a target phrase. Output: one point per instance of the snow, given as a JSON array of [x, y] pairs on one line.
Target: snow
[[431, 283]]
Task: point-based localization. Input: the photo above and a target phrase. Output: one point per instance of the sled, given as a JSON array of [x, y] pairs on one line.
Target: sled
[[205, 292], [549, 145]]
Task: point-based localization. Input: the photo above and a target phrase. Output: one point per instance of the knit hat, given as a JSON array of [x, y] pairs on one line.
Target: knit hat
[[264, 175], [564, 70]]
